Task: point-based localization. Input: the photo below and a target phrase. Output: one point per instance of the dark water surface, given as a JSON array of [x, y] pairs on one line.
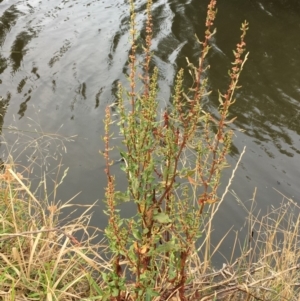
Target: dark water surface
[[60, 62]]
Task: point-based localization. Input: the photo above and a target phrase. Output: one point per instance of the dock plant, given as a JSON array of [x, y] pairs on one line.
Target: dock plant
[[172, 160]]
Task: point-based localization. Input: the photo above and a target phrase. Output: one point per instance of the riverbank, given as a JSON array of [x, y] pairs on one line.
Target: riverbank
[[158, 246], [42, 259]]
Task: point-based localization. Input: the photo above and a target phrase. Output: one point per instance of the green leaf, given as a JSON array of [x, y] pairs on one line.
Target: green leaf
[[104, 276], [122, 196], [134, 184], [95, 286], [151, 293], [136, 233], [124, 155], [166, 247], [145, 231], [115, 292], [106, 297], [123, 167], [162, 218]]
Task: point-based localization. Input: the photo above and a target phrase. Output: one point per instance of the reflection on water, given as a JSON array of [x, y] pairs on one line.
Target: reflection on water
[[18, 49], [66, 58], [7, 20], [4, 101]]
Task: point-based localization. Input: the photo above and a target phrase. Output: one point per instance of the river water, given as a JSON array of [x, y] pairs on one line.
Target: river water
[[60, 61]]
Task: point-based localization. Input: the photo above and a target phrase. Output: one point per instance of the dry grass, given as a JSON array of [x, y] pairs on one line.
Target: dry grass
[[269, 267], [41, 256], [39, 259]]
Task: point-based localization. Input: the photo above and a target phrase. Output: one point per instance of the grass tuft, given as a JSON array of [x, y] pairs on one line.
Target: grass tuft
[[39, 258]]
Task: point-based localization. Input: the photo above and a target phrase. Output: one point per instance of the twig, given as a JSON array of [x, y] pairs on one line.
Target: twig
[[275, 275], [9, 236], [24, 186]]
